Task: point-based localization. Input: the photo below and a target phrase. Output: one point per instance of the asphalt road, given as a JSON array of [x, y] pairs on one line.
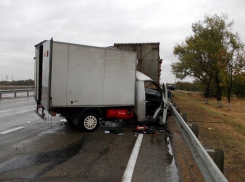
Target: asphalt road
[[35, 150]]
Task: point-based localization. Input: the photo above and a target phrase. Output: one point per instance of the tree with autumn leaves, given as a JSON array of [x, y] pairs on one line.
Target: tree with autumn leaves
[[214, 54]]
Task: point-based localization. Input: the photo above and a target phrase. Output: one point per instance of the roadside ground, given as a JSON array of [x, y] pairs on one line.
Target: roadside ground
[[219, 128]]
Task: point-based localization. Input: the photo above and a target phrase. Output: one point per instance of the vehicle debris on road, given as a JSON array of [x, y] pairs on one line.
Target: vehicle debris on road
[[145, 130], [115, 131]]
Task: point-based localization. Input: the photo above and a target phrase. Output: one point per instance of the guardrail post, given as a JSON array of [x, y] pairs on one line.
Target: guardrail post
[[218, 156], [15, 94], [184, 116], [194, 129], [178, 109], [27, 93]]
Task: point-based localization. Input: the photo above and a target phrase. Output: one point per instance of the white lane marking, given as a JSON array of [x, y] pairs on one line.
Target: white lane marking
[[128, 173], [25, 101], [11, 130], [21, 112], [6, 110]]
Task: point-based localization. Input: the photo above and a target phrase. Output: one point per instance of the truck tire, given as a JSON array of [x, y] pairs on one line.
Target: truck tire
[[89, 122]]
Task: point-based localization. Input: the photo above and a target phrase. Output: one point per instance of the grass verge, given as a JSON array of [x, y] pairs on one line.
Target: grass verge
[[218, 128]]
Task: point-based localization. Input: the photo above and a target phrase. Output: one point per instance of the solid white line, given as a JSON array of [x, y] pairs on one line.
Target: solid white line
[[25, 101], [128, 173], [11, 130], [6, 110]]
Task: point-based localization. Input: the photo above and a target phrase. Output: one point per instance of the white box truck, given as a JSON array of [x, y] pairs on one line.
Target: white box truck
[[89, 85]]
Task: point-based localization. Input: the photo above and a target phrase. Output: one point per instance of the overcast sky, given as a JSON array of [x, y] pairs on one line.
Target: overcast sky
[[102, 23]]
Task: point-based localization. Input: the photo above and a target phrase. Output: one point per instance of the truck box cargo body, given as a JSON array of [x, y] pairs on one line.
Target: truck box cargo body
[[78, 75], [89, 85]]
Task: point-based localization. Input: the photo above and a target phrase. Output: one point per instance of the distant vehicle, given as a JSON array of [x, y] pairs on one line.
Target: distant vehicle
[[89, 85], [170, 87]]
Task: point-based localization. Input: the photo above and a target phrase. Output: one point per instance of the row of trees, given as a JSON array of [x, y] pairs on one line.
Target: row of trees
[[18, 82], [213, 56], [238, 88]]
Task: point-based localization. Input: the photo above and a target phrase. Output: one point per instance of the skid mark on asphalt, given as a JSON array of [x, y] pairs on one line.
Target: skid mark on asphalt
[[51, 158]]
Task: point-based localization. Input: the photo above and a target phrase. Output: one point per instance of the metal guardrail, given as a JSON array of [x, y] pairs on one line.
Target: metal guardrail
[[207, 166], [13, 87], [15, 91]]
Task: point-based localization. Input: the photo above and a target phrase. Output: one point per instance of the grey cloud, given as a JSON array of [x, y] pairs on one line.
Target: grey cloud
[[25, 23]]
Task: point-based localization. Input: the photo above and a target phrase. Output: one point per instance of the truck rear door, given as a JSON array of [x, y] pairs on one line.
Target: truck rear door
[[46, 73], [37, 72], [43, 53]]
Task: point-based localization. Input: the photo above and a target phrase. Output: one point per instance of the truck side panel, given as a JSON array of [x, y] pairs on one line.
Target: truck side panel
[[59, 74], [120, 77], [73, 75], [85, 76]]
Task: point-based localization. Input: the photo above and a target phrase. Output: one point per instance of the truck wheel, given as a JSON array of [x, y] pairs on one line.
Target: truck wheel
[[89, 122]]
